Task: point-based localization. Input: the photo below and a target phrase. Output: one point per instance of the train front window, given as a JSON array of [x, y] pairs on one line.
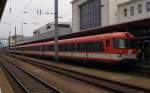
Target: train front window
[[123, 43]]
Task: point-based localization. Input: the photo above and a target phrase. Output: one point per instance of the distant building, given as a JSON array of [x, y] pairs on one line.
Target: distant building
[[63, 28], [3, 42], [16, 38]]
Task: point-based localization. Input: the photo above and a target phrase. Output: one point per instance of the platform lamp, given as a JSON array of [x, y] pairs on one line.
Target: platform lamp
[[22, 29]]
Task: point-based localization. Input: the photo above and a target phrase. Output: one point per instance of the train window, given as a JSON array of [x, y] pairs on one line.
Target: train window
[[93, 47], [79, 47], [66, 47], [72, 47], [33, 48], [63, 47], [83, 47], [40, 48], [51, 47], [75, 47], [45, 48], [124, 43], [60, 47]]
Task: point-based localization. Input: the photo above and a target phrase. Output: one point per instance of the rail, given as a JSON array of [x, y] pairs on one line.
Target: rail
[[27, 80], [97, 81]]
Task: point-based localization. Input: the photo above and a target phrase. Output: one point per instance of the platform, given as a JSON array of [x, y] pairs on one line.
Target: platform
[[5, 86]]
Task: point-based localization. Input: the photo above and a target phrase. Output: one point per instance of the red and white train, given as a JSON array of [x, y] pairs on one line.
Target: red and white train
[[113, 48]]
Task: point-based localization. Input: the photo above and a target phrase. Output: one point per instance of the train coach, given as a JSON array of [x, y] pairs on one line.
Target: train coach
[[111, 48]]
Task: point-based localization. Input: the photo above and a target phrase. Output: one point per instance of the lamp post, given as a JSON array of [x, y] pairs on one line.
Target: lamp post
[[15, 35], [22, 24], [56, 31], [9, 39], [15, 38], [22, 29]]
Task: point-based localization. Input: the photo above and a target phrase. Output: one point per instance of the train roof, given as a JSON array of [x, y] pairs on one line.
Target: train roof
[[99, 37], [88, 38]]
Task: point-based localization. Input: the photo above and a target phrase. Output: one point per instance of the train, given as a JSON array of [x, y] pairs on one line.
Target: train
[[110, 48]]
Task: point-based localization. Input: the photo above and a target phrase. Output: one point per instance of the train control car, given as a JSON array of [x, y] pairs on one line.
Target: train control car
[[112, 48]]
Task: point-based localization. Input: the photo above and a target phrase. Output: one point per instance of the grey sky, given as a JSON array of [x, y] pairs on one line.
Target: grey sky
[[34, 21]]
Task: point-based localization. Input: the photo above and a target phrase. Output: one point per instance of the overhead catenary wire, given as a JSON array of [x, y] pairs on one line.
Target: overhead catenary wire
[[18, 16], [29, 3]]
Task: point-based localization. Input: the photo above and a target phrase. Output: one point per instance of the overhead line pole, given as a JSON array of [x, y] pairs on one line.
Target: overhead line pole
[[56, 30], [15, 38], [22, 28], [9, 39], [15, 35]]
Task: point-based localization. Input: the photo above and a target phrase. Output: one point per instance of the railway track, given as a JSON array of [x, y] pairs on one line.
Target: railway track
[[97, 81], [28, 81]]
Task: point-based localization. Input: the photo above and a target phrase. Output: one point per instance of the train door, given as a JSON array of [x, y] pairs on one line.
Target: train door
[[147, 51], [42, 50], [107, 45]]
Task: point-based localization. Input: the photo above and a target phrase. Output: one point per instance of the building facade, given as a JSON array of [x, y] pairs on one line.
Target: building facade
[[134, 10], [63, 28], [88, 14]]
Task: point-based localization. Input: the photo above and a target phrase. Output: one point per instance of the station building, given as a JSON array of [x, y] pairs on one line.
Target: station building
[[88, 14], [103, 16], [134, 10], [46, 33], [63, 28]]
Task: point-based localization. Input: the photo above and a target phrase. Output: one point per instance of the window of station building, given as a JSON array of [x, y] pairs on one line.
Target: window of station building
[[125, 12], [148, 6], [132, 11], [90, 14], [48, 27], [140, 8]]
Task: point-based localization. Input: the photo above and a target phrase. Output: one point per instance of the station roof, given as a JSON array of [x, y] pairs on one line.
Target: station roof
[[2, 6], [122, 27]]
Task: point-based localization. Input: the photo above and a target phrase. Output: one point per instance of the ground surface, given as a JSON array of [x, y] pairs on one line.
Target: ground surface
[[5, 87]]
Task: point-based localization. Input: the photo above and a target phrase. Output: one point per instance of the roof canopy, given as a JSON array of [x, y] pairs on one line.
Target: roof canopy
[[2, 6]]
